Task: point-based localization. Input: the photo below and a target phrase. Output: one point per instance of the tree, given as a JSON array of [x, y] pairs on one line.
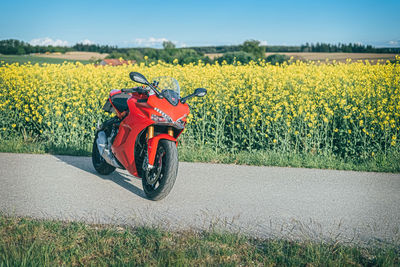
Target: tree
[[21, 51], [277, 58], [168, 45], [253, 47]]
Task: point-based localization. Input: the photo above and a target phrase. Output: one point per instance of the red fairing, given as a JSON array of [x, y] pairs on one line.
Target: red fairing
[[153, 144], [137, 120], [175, 112]]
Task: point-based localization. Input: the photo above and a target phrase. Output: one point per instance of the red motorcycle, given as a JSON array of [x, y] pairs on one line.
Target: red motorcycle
[[142, 137]]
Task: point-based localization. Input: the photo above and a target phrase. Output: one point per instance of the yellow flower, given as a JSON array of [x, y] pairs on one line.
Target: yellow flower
[[244, 102], [13, 125]]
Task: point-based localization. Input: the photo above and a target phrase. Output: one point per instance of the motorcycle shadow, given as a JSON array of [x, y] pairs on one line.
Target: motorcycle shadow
[[118, 176]]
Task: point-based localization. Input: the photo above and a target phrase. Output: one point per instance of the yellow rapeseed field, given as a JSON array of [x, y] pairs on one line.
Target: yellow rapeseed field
[[348, 109]]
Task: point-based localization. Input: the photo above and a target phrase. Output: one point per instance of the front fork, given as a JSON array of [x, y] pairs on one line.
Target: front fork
[[150, 132], [152, 143]]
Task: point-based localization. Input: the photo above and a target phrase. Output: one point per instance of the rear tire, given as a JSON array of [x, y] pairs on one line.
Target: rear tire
[[167, 160], [99, 163]]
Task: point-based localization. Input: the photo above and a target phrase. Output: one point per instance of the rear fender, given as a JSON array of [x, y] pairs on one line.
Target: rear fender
[[153, 144]]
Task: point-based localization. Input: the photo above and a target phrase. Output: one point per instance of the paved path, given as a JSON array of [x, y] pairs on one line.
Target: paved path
[[264, 201]]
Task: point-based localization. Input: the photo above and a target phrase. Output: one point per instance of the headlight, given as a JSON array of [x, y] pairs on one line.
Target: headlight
[[167, 120], [165, 116], [160, 119]]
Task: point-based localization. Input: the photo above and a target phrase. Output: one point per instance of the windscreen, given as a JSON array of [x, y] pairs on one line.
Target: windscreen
[[169, 88], [167, 83]]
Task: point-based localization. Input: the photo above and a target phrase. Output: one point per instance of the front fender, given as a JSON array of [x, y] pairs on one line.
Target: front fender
[[152, 145]]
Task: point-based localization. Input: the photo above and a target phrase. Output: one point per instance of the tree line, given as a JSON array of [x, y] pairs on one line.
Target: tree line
[[346, 48], [17, 47], [249, 50], [308, 47], [169, 54]]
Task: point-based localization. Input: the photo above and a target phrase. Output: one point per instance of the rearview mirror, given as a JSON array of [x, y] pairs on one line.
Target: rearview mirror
[[200, 92], [139, 78]]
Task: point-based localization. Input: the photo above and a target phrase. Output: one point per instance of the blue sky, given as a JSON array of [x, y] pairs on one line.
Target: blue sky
[[192, 23]]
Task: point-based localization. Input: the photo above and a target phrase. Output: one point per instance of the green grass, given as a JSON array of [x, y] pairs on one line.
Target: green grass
[[26, 241], [21, 59], [379, 163]]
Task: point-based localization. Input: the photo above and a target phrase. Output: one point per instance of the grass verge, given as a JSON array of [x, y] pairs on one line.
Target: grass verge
[[379, 163], [22, 59], [26, 241]]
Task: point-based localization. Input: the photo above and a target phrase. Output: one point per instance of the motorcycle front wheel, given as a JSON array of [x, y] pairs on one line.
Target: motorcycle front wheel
[[158, 181]]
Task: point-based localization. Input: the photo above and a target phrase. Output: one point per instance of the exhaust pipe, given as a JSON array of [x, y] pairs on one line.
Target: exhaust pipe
[[104, 151]]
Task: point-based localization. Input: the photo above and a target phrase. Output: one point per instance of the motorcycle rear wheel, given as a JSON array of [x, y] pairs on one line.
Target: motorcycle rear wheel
[[158, 182], [99, 163]]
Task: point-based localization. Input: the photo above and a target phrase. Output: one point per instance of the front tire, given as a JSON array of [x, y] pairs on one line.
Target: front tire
[[158, 182], [99, 163]]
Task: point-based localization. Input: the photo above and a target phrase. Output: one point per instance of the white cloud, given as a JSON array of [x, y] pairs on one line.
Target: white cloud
[[394, 43], [48, 41], [150, 42], [153, 42], [86, 42], [263, 42]]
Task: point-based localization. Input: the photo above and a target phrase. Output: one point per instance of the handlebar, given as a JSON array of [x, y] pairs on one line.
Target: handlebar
[[138, 89]]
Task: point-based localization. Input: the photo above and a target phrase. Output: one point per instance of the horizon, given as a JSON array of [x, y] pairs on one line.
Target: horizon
[[161, 47], [281, 23]]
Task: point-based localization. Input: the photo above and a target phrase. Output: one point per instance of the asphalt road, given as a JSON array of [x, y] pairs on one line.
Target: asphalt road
[[261, 201]]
